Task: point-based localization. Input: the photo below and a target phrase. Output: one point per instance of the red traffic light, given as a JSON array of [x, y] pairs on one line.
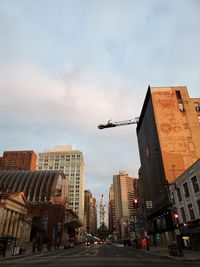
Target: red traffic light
[[135, 203], [175, 215]]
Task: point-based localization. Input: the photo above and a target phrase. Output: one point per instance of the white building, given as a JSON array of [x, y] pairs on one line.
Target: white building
[[71, 162], [185, 194]]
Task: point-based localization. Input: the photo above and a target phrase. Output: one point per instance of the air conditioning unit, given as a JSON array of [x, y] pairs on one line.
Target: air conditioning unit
[[181, 107]]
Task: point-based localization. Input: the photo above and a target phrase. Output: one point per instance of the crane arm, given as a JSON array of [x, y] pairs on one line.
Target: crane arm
[[118, 123]]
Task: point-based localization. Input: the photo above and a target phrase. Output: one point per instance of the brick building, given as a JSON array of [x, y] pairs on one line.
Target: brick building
[[168, 134], [18, 160]]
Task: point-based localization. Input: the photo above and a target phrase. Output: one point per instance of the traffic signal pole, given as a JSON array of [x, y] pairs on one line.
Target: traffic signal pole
[[136, 205]]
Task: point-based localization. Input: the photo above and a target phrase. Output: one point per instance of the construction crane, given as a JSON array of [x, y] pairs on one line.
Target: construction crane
[[118, 123]]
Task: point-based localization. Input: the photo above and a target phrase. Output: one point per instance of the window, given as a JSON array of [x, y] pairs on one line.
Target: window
[[172, 198], [191, 211], [178, 190], [187, 193], [181, 107], [198, 205], [197, 106], [183, 214], [195, 184], [178, 94]]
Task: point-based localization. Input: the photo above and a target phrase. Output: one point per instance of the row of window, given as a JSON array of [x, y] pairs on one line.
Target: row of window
[[191, 212], [56, 157], [195, 186], [181, 106]]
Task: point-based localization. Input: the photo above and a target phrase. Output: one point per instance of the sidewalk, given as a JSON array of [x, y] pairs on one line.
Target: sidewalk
[[189, 255], [27, 253]]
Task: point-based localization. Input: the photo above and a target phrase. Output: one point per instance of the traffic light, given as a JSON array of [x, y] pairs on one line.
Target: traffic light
[[176, 220], [135, 203], [175, 215]]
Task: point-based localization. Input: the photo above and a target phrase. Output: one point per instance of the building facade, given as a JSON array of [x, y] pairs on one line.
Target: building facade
[[71, 163], [111, 218], [15, 226], [18, 160], [168, 134], [94, 217], [52, 222], [123, 187], [185, 193], [90, 213]]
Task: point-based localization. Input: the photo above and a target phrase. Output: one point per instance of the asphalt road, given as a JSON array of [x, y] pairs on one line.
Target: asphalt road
[[96, 256]]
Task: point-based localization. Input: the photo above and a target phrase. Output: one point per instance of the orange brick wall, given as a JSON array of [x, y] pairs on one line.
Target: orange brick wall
[[178, 132]]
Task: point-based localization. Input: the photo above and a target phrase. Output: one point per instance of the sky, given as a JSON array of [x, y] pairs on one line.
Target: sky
[[68, 65]]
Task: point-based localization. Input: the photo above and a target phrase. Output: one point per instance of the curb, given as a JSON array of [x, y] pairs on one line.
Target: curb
[[170, 257]]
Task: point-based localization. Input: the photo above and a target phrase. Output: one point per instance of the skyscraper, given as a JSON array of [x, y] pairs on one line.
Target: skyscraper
[[112, 219], [71, 162], [90, 213], [124, 193], [18, 160]]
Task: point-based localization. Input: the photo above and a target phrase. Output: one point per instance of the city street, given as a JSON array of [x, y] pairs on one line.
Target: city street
[[96, 255]]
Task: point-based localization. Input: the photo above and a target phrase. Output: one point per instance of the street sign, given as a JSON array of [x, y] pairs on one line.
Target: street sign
[[149, 204]]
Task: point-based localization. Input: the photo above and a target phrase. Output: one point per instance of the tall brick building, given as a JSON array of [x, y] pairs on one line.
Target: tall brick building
[[18, 160], [168, 134]]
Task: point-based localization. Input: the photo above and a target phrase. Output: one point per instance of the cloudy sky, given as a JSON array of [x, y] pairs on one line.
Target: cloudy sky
[[68, 65]]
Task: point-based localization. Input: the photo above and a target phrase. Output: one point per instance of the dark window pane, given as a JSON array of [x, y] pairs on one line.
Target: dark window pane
[[178, 94], [195, 184], [191, 211], [183, 214], [187, 193], [179, 194]]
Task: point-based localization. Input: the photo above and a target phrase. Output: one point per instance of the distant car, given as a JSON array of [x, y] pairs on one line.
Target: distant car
[[69, 245]]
